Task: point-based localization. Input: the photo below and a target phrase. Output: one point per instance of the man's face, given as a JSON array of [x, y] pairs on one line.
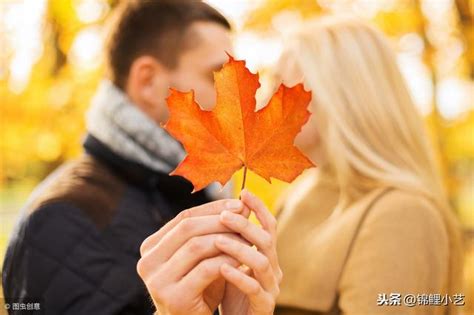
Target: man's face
[[149, 80], [196, 65]]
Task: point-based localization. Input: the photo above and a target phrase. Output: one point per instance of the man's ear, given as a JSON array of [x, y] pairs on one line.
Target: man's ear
[[140, 79], [147, 86]]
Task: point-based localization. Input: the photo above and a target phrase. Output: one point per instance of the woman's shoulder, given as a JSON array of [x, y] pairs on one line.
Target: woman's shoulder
[[398, 201], [408, 212]]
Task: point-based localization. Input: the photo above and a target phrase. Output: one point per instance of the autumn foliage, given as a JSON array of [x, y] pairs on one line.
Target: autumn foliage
[[234, 134]]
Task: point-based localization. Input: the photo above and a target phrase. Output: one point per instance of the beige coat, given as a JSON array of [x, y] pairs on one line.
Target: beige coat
[[389, 241]]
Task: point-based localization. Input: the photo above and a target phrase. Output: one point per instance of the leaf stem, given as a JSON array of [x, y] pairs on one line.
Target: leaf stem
[[243, 181]]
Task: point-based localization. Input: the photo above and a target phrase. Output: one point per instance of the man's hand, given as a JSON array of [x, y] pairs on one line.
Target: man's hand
[[180, 263]]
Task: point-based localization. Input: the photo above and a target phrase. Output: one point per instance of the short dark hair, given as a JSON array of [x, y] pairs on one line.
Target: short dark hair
[[152, 27]]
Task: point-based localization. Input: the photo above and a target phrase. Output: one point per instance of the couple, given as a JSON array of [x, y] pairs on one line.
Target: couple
[[112, 233]]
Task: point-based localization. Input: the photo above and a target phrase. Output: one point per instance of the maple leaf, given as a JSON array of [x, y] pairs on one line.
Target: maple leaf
[[233, 135]]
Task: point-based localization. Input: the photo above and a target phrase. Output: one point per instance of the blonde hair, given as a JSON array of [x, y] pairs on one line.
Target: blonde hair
[[373, 135]]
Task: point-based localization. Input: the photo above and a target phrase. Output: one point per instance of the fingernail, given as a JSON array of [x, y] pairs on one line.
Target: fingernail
[[222, 240], [226, 268], [227, 216], [233, 204], [248, 193]]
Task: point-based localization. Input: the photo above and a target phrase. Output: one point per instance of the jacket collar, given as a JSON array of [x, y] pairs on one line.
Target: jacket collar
[[174, 187]]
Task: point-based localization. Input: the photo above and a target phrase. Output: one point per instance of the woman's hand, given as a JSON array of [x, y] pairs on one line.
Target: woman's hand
[[252, 289]]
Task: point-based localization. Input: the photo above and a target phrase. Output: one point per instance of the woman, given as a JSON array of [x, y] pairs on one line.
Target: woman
[[372, 226]]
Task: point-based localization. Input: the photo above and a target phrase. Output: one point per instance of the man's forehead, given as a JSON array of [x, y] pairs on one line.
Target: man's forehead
[[209, 29], [209, 41], [204, 32]]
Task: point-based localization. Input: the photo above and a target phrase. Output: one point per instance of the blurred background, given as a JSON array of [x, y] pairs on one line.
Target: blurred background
[[51, 63]]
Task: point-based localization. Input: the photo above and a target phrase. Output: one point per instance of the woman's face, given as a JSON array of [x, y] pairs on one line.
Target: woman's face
[[308, 140]]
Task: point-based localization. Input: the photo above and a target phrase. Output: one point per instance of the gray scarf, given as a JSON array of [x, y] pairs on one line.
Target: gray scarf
[[130, 133], [126, 130]]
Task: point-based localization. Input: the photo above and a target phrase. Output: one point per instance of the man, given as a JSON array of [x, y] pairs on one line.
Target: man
[[77, 244]]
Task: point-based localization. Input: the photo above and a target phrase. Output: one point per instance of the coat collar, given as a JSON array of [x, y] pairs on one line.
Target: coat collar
[[175, 187]]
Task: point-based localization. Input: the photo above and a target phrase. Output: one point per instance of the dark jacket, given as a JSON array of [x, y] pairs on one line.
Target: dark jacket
[[77, 243]]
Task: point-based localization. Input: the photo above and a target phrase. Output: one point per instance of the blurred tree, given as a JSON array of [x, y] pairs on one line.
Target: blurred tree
[[262, 16], [465, 10], [42, 120]]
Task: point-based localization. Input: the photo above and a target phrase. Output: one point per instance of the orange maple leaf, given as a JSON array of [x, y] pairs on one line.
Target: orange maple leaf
[[233, 135]]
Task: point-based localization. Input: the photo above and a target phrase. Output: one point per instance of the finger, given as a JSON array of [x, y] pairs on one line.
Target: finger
[[253, 233], [245, 211], [261, 302], [210, 208], [267, 220], [255, 260], [193, 251], [178, 236], [206, 272]]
